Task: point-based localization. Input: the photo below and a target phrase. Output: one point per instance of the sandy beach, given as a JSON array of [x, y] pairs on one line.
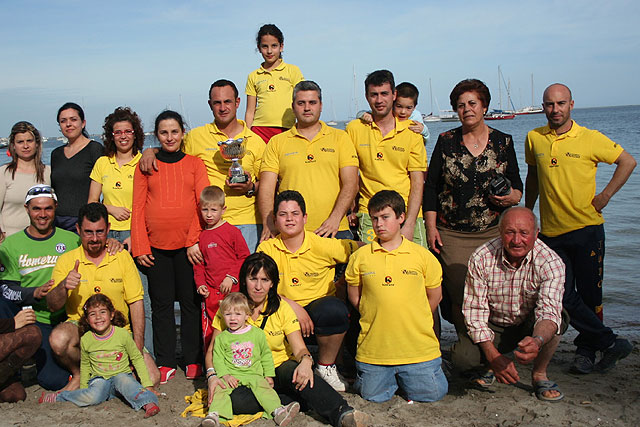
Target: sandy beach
[[611, 399]]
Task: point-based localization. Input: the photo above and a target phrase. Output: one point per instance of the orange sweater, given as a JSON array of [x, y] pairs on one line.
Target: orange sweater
[[165, 205]]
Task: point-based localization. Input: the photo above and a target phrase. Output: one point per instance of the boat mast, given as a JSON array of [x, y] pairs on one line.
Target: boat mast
[[499, 89], [532, 104], [431, 96]]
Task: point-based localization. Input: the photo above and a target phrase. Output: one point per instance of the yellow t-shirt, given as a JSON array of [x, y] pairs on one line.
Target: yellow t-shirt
[[116, 277], [308, 274], [385, 162], [202, 142], [117, 185], [311, 168], [273, 90], [567, 166], [395, 317], [278, 326]]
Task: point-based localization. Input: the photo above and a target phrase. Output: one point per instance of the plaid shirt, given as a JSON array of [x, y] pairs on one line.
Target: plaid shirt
[[499, 293]]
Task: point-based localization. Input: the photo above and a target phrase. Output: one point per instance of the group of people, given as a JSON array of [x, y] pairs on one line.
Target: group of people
[[336, 239]]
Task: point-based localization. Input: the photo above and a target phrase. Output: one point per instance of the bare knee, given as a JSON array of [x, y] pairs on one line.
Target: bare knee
[[13, 393], [63, 338]]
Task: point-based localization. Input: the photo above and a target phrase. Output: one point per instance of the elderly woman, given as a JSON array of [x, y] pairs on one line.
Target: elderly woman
[[294, 378], [23, 171], [463, 198]]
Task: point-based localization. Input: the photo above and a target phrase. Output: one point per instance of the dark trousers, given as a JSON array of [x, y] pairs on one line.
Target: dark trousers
[[171, 278], [322, 398], [51, 376], [583, 254]]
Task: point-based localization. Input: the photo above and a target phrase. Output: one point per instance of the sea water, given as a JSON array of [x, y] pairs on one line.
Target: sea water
[[622, 232]]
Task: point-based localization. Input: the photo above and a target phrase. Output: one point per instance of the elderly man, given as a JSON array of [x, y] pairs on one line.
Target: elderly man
[[513, 300], [27, 259], [310, 157], [88, 270], [563, 158]]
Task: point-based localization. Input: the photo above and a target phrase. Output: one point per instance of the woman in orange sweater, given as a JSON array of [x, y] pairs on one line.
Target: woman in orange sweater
[[165, 227]]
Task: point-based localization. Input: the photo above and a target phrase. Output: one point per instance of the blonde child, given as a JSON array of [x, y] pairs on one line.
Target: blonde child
[[106, 350], [404, 108], [223, 249], [270, 87], [242, 356]]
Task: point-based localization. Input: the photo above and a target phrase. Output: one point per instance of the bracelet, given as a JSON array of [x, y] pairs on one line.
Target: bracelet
[[210, 376], [211, 370], [306, 355], [541, 340]]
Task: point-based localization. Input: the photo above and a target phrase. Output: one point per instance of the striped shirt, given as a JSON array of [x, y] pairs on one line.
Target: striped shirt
[[499, 293]]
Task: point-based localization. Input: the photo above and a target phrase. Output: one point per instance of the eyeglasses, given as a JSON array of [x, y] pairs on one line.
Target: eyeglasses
[[45, 189], [127, 132]]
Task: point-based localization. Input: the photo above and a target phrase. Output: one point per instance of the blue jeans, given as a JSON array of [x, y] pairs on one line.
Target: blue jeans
[[120, 236], [101, 390], [422, 382], [251, 234]]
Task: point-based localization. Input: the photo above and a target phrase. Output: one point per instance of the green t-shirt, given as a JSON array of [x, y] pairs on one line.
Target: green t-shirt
[[30, 261], [243, 355]]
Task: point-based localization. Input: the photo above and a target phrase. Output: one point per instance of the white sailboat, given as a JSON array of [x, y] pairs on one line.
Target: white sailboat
[[532, 109], [430, 117]]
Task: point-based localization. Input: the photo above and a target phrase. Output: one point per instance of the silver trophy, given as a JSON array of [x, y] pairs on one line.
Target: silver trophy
[[234, 150]]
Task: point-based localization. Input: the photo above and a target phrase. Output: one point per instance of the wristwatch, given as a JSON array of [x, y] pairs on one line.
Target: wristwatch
[[306, 355], [251, 192]]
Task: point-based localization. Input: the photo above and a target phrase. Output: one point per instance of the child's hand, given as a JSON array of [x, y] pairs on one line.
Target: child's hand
[[231, 380], [269, 380], [416, 127], [366, 117], [203, 290], [225, 285], [153, 390]]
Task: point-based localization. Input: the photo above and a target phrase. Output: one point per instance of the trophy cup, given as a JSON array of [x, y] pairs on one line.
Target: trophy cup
[[234, 150]]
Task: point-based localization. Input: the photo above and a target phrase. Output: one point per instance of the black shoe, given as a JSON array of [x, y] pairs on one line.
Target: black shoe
[[581, 365], [620, 349]]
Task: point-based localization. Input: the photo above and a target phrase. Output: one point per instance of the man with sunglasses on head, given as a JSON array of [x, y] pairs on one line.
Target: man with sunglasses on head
[[27, 259]]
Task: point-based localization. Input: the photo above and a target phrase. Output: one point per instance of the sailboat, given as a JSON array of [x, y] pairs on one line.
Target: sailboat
[[333, 109], [430, 117], [501, 114], [532, 109]]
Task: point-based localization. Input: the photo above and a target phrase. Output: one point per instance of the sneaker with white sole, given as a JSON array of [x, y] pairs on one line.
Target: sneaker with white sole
[[166, 373], [211, 420], [285, 414], [330, 374]]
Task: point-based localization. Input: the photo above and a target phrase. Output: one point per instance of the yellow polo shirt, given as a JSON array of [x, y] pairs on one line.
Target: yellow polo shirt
[[202, 142], [273, 90], [116, 277], [117, 185], [311, 168], [395, 317], [385, 162], [278, 326], [308, 273], [567, 166]]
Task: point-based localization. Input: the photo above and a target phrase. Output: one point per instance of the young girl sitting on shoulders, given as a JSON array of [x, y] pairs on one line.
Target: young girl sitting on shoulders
[[270, 87], [106, 349], [241, 356]]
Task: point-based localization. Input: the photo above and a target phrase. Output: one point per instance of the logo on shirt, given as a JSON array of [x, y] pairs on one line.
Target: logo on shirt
[[118, 184], [116, 280], [410, 272], [379, 156], [97, 289], [291, 153], [573, 155], [286, 79], [310, 158], [388, 281], [212, 245], [242, 353], [61, 248], [554, 162], [295, 281], [396, 148], [328, 150], [311, 274], [272, 88]]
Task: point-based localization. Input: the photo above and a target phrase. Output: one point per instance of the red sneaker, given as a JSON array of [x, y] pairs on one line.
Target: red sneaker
[[150, 409], [166, 373], [193, 371]]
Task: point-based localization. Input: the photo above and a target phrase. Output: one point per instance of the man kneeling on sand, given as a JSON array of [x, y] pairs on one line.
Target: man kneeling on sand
[[513, 299]]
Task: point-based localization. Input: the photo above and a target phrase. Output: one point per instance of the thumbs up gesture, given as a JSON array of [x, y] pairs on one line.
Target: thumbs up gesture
[[73, 278]]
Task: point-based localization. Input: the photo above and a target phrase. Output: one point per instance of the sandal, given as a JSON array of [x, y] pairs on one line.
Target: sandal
[[48, 397], [485, 380], [545, 385]]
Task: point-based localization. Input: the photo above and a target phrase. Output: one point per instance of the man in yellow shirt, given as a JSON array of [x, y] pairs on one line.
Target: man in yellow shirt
[[307, 263], [314, 159], [391, 156], [563, 159], [88, 270], [395, 285], [202, 142]]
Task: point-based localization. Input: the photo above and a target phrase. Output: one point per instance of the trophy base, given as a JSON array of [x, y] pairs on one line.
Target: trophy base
[[238, 179]]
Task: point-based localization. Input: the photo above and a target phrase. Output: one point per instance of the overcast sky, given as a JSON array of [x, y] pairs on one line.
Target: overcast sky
[[165, 54]]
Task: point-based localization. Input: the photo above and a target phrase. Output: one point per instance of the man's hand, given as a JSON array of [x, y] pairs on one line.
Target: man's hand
[[114, 246], [41, 291], [505, 370], [329, 228], [366, 118], [194, 254], [306, 324], [203, 290], [417, 127], [212, 383], [241, 187], [24, 318], [268, 230], [528, 350], [120, 213], [148, 162], [225, 285], [407, 230], [600, 201], [433, 239], [231, 380], [73, 278], [145, 260]]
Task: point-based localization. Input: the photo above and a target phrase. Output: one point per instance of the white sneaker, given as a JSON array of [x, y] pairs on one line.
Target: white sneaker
[[331, 375], [211, 420]]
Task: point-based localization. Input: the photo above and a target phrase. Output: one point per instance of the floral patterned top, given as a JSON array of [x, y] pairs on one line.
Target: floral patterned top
[[457, 185]]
